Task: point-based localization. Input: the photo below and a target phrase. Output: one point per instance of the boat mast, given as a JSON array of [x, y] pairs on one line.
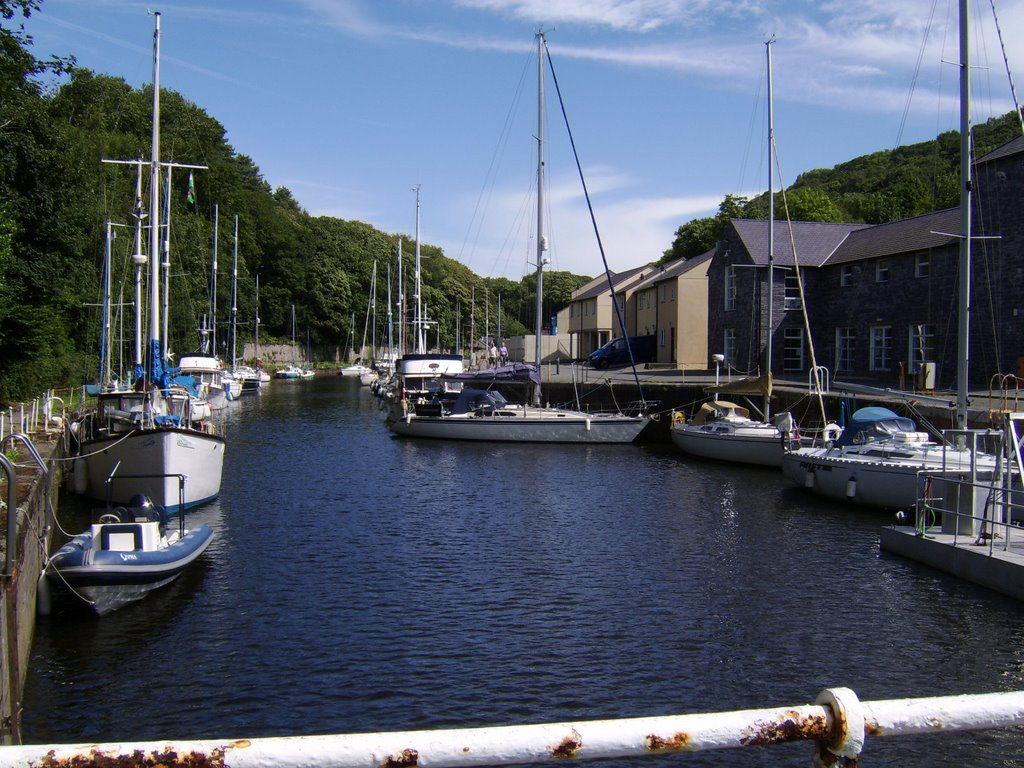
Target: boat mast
[[542, 245], [139, 260], [771, 229], [213, 283], [400, 303], [256, 325], [421, 346], [234, 295], [155, 363], [104, 378], [965, 222]]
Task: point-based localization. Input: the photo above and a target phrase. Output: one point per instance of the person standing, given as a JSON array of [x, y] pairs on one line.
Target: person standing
[[503, 353], [494, 354]]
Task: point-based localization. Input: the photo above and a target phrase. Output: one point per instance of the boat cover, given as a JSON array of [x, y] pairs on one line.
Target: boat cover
[[486, 401], [761, 385], [872, 424], [521, 373]]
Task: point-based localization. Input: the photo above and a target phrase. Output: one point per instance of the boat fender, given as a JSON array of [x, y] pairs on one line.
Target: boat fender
[[80, 476], [851, 487], [809, 479], [678, 417], [43, 602], [832, 432]]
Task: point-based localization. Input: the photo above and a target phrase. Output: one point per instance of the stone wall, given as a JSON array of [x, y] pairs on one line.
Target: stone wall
[[19, 587]]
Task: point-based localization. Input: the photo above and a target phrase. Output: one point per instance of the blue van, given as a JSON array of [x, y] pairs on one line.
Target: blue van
[[616, 353]]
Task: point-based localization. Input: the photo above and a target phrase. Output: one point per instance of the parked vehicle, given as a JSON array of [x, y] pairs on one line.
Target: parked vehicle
[[615, 352]]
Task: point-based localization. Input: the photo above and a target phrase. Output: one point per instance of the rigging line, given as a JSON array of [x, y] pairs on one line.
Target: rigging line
[[917, 72], [593, 221], [1006, 63], [488, 184], [799, 283]]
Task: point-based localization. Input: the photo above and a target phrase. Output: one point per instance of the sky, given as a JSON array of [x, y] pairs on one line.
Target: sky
[[354, 105]]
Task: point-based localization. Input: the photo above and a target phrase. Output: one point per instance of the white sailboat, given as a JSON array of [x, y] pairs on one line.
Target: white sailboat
[[724, 430], [457, 405], [882, 460], [149, 440]]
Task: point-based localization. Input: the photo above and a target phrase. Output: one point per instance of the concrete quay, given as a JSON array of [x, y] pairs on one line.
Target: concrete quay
[[997, 564]]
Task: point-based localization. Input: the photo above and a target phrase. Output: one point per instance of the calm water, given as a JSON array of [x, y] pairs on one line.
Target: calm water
[[360, 582]]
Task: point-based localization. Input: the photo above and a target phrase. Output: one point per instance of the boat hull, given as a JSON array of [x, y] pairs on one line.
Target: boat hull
[[875, 482], [110, 579], [755, 444], [551, 427], [155, 453]]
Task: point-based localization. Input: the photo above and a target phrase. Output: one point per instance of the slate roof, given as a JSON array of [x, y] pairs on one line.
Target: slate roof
[[904, 236], [1009, 148], [673, 269], [601, 286], [815, 241]]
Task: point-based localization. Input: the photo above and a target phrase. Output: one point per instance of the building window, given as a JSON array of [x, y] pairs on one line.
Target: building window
[[922, 265], [846, 275], [921, 349], [729, 345], [663, 291], [672, 292], [793, 349], [881, 347], [844, 350], [792, 295], [881, 271], [730, 288]]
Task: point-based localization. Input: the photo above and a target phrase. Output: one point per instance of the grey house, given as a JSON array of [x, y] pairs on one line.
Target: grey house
[[882, 301]]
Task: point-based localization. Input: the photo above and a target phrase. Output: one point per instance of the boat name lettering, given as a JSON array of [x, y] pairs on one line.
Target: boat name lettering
[[126, 556]]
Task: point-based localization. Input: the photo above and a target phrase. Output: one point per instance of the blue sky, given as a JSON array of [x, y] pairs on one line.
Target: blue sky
[[353, 103]]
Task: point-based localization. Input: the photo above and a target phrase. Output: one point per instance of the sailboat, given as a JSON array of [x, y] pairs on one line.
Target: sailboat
[[459, 405], [150, 440], [881, 459], [722, 429]]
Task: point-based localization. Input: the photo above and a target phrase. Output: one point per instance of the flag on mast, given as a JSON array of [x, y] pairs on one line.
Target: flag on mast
[[191, 189]]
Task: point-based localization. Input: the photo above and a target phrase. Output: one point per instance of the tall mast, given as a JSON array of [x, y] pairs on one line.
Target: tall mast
[[213, 282], [965, 222], [166, 265], [771, 227], [542, 245], [139, 260], [256, 335], [400, 303], [155, 366], [421, 346], [104, 378], [234, 294]]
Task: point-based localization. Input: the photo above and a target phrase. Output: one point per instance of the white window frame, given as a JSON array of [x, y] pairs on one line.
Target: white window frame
[[881, 348], [730, 288], [923, 265], [729, 345], [846, 347], [792, 294], [920, 344], [793, 348], [882, 271]]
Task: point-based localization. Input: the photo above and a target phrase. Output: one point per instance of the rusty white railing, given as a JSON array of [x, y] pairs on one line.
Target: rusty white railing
[[838, 722], [45, 414]]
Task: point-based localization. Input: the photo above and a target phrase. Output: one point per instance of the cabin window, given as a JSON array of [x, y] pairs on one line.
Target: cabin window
[[845, 338], [730, 288], [922, 265], [846, 275], [729, 345], [881, 271], [792, 295], [921, 345], [881, 347], [793, 349]]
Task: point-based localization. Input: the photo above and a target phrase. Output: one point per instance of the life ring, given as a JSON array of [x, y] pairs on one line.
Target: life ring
[[678, 417], [832, 432]]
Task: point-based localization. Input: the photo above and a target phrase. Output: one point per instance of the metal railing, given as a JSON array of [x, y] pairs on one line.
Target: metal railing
[[838, 722]]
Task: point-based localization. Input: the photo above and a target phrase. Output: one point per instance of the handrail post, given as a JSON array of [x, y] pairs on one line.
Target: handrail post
[[12, 513]]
